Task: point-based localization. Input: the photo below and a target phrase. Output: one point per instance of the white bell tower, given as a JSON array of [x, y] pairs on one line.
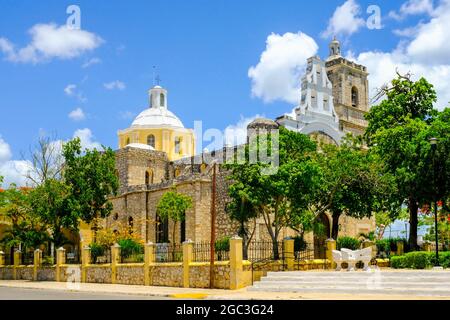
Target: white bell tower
[[157, 97]]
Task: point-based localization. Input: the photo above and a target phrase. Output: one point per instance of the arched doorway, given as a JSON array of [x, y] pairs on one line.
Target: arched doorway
[[320, 236]]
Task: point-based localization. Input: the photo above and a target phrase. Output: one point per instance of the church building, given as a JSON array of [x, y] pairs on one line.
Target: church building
[[157, 153]]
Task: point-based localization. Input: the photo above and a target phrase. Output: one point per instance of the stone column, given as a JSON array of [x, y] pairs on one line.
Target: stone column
[[236, 270], [115, 260], [188, 248], [400, 248], [288, 247], [85, 262], [331, 245], [2, 258], [17, 262], [60, 260], [37, 262], [149, 259]]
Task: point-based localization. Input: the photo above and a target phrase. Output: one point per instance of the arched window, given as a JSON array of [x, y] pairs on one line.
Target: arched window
[[177, 145], [162, 100], [355, 97], [151, 140], [149, 177]]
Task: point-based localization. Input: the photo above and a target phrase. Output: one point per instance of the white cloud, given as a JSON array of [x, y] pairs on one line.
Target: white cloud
[[13, 171], [236, 134], [413, 7], [119, 85], [69, 89], [86, 138], [49, 41], [426, 54], [5, 151], [432, 43], [346, 20], [277, 74], [91, 62], [77, 114], [72, 91]]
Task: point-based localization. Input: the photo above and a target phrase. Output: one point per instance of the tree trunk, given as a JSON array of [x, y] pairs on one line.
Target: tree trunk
[[335, 226], [413, 222]]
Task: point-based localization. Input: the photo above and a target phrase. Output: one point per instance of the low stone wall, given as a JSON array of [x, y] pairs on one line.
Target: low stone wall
[[6, 273], [166, 274], [199, 275], [98, 274], [46, 273], [132, 273], [70, 273], [24, 273]]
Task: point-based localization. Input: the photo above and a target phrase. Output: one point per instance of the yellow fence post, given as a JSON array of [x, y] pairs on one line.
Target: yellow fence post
[[288, 247], [331, 245], [149, 259], [115, 260], [17, 262], [236, 269], [85, 262], [188, 247], [60, 260], [400, 248], [2, 258], [37, 262]]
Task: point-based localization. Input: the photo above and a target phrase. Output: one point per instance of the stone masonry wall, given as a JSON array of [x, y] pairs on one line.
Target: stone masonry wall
[[98, 274], [130, 274], [167, 274]]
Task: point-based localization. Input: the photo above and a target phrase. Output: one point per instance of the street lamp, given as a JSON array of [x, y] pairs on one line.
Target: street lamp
[[433, 142]]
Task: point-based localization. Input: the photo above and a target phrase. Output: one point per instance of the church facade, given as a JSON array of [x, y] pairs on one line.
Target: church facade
[[334, 98], [157, 153]]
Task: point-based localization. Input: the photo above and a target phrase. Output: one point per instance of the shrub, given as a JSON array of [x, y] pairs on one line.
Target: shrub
[[383, 245], [48, 261], [129, 247], [418, 260], [300, 244], [398, 262], [348, 243], [97, 250], [222, 244]]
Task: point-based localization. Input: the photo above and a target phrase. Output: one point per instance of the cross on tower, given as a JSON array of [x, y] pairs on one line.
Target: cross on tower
[[156, 78]]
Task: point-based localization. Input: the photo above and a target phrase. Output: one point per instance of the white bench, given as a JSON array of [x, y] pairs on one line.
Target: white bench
[[351, 257]]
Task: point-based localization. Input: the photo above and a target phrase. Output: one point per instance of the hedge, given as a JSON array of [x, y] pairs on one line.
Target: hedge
[[420, 260]]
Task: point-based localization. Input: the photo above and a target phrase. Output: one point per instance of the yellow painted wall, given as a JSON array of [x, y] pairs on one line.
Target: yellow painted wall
[[164, 140]]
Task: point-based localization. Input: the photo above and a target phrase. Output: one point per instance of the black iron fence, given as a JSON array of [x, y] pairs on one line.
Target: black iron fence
[[9, 259], [27, 258], [264, 250], [166, 252], [202, 253]]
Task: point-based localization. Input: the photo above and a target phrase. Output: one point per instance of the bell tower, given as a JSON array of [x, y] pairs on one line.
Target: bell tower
[[350, 90], [157, 97]]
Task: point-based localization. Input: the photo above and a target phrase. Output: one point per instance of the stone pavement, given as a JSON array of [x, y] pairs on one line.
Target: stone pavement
[[285, 286]]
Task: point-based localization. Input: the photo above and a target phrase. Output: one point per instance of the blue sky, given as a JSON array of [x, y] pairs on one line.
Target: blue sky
[[203, 50]]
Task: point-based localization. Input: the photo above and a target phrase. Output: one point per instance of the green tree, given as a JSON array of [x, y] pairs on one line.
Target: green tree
[[399, 131], [90, 175], [25, 228], [280, 197], [352, 183], [173, 205], [50, 201]]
